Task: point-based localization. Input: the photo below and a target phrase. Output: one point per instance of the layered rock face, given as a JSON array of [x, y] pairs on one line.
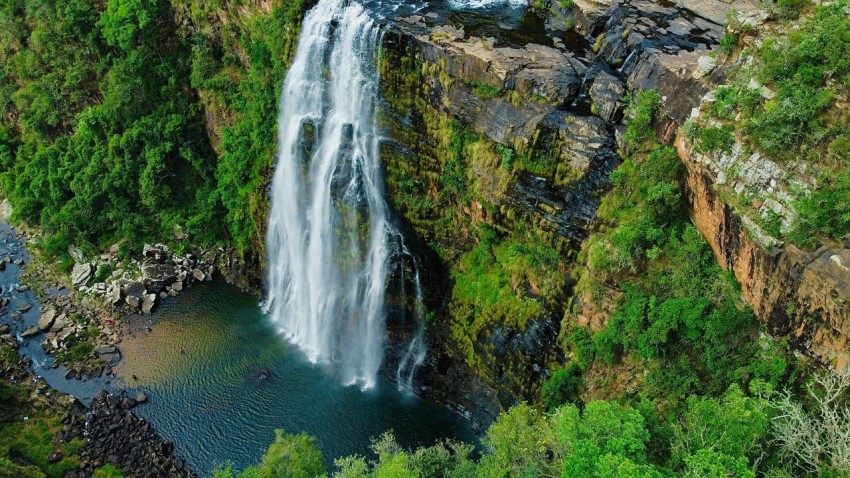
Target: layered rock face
[[800, 295], [561, 98], [797, 294], [556, 99]]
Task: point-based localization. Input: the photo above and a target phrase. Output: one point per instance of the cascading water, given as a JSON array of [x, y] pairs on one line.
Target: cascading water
[[332, 247], [329, 230]]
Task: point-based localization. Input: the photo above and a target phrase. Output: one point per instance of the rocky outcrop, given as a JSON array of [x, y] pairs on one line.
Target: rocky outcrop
[[114, 435], [804, 296]]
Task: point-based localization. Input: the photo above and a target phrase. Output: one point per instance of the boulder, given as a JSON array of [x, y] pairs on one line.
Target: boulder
[[114, 295], [148, 303], [4, 329], [133, 301], [141, 397], [45, 322], [156, 253], [605, 95], [105, 349], [157, 276], [198, 274], [76, 254], [135, 289], [24, 307], [82, 273], [177, 286], [30, 332], [705, 65]]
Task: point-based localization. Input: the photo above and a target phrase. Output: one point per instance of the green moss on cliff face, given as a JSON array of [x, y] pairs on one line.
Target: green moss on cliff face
[[453, 187]]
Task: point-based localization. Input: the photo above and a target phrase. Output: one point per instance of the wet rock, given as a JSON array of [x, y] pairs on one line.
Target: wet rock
[[47, 319], [82, 273], [148, 303], [141, 397], [128, 403], [177, 286], [24, 307], [30, 332], [115, 435], [4, 329], [198, 274], [606, 94]]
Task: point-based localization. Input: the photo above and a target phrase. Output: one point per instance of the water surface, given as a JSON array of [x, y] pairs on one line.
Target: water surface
[[221, 380]]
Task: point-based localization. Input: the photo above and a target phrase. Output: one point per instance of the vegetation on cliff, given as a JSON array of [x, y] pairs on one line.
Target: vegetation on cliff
[[789, 103], [103, 106]]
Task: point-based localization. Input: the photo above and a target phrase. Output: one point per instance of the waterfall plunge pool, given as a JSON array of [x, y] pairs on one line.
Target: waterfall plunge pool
[[221, 380]]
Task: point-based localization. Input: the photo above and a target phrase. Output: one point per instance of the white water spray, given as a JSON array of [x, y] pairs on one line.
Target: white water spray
[[329, 231]]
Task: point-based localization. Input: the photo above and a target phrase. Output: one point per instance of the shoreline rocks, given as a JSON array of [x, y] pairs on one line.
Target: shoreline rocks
[[114, 435]]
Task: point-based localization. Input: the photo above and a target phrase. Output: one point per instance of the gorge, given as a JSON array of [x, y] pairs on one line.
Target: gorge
[[533, 224]]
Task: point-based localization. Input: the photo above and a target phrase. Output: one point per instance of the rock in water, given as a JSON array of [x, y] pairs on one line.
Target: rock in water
[[141, 397], [198, 274], [47, 319], [30, 332], [158, 276], [82, 273]]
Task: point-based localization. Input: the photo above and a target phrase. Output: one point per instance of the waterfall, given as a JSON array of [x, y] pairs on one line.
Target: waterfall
[[465, 4], [414, 353], [330, 238]]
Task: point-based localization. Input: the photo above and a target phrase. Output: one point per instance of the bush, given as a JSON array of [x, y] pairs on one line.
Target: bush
[[562, 387]]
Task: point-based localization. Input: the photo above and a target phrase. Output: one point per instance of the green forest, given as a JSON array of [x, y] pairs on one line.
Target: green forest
[[103, 137], [135, 121]]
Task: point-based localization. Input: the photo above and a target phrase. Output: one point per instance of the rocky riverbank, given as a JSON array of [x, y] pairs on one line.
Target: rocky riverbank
[[42, 429], [115, 436]]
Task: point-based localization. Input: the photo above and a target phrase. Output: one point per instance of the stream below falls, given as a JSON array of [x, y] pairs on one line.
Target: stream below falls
[[220, 380]]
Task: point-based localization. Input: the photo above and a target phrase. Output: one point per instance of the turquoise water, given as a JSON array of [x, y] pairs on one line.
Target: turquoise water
[[221, 380]]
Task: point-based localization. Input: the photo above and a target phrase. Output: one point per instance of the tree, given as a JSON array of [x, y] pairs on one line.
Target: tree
[[815, 437]]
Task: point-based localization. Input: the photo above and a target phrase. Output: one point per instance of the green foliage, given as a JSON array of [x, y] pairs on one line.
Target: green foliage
[[292, 456], [106, 142], [32, 442], [641, 113], [732, 428], [484, 91], [108, 471], [562, 387], [727, 43], [490, 284], [710, 139], [678, 312], [824, 212]]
